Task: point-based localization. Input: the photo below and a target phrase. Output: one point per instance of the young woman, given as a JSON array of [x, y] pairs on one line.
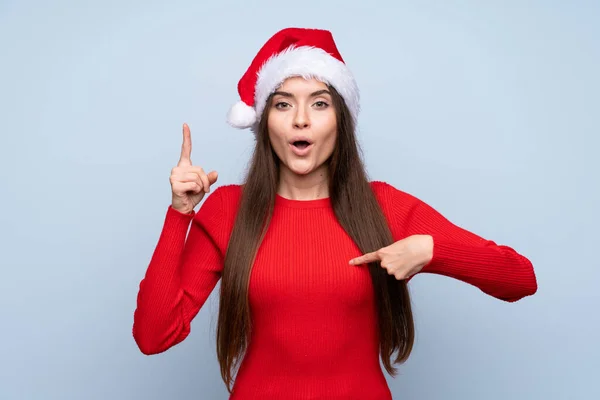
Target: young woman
[[313, 258]]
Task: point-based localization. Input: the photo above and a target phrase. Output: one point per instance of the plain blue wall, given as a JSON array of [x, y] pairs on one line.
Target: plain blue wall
[[489, 112]]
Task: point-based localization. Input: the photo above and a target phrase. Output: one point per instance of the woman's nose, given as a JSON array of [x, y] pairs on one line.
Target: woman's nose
[[301, 119]]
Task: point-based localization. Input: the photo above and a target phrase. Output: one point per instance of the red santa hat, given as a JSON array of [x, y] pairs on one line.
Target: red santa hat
[[310, 53]]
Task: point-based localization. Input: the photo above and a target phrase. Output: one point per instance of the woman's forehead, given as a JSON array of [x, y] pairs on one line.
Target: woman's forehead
[[301, 84]]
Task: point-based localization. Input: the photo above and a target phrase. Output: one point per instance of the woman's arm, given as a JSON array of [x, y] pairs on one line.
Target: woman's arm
[[180, 277], [497, 270]]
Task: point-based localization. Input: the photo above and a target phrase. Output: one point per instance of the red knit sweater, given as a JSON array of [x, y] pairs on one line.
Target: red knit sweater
[[313, 314]]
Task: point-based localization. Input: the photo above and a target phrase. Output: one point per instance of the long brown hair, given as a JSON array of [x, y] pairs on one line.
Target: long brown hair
[[358, 212]]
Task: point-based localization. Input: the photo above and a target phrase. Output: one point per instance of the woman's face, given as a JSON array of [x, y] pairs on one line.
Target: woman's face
[[302, 110]]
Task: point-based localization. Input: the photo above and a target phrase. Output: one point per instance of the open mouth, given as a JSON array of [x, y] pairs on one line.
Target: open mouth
[[301, 144]]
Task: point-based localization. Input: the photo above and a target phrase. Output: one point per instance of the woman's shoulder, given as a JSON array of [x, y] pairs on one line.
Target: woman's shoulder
[[219, 206], [383, 187], [379, 186], [227, 195], [230, 189], [388, 192]]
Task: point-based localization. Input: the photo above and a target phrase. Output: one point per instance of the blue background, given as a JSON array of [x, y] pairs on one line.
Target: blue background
[[488, 111]]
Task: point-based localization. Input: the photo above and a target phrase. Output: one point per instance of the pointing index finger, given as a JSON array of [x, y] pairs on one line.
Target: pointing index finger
[[186, 147], [366, 258]]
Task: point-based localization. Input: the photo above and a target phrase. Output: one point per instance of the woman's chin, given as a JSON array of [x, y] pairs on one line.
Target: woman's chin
[[301, 171], [300, 168]]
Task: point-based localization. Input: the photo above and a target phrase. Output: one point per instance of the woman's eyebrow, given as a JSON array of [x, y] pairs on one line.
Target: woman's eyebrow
[[313, 94]]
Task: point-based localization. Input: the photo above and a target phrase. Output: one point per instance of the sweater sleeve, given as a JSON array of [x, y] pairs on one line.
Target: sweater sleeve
[[497, 270], [180, 276]]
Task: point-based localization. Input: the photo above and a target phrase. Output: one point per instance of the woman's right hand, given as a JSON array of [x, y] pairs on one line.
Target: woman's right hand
[[189, 183]]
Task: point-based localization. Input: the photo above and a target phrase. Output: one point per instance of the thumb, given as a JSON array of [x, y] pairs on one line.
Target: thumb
[[212, 177]]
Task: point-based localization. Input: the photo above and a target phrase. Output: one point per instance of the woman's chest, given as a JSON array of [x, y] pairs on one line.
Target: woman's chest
[[307, 263]]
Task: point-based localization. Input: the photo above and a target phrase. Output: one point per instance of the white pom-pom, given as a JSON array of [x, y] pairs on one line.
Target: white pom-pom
[[241, 115]]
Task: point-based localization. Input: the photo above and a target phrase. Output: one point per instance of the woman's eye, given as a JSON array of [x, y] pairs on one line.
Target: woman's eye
[[281, 104], [321, 104]]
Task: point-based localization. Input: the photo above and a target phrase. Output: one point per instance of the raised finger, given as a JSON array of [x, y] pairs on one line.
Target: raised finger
[[186, 147]]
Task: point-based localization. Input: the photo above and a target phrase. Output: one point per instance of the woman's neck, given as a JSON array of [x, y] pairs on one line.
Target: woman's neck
[[304, 187]]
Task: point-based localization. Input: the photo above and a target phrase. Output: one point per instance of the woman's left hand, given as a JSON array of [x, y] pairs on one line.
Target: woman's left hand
[[403, 258]]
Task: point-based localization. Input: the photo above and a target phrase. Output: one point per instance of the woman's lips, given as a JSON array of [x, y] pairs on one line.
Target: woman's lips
[[301, 152]]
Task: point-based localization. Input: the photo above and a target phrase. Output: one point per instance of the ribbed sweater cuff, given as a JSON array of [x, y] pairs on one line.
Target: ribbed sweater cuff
[[174, 230], [176, 219]]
